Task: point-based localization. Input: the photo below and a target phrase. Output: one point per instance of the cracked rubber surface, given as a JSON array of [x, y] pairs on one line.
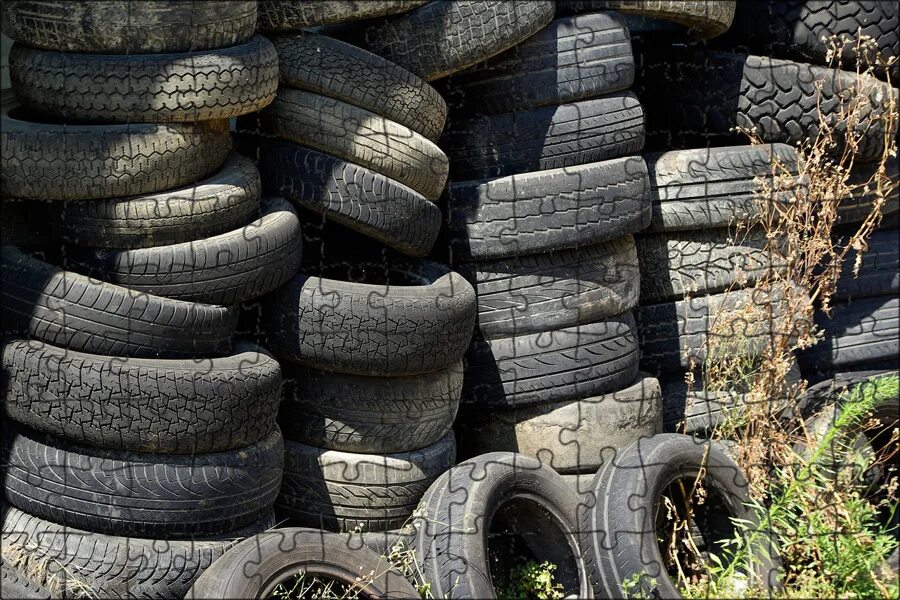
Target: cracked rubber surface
[[335, 490], [708, 18], [187, 406], [281, 15]]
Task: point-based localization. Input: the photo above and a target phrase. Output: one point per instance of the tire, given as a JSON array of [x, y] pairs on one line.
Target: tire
[[879, 272], [551, 137], [16, 585], [129, 26], [65, 309], [358, 136], [570, 436], [343, 491], [580, 482], [255, 567], [329, 67], [354, 196], [285, 15], [226, 269], [369, 415], [142, 405], [156, 88], [226, 200], [708, 18], [696, 263], [440, 38], [542, 292], [572, 59], [552, 366], [622, 506], [509, 493], [708, 188], [545, 211], [53, 161], [151, 495], [115, 566], [373, 328], [857, 208]]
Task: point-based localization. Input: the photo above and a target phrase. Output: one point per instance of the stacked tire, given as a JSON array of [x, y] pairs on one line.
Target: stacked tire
[[140, 439]]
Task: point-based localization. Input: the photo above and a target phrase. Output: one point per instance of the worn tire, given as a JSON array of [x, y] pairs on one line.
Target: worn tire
[[15, 585], [708, 18], [375, 329], [542, 292], [565, 364], [370, 415], [65, 309], [570, 436], [54, 161], [573, 58], [327, 66], [545, 211], [285, 15], [879, 273], [190, 406], [342, 491], [858, 207], [129, 26]]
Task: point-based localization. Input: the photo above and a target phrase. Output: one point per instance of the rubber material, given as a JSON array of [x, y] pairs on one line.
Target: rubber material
[[281, 15], [879, 272], [16, 585], [708, 18]]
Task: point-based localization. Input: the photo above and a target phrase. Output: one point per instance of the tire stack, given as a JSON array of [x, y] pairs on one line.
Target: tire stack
[[140, 441]]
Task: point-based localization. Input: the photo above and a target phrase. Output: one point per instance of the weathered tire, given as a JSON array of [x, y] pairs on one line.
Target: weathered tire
[[256, 566], [857, 208], [565, 364], [879, 273], [330, 67], [114, 566], [283, 15], [354, 196], [708, 18], [129, 26], [542, 292], [227, 199], [55, 161], [156, 88], [377, 415], [544, 138], [65, 309], [440, 38], [570, 436], [573, 58], [622, 507], [15, 585], [142, 405], [335, 490], [544, 211], [390, 328], [512, 496]]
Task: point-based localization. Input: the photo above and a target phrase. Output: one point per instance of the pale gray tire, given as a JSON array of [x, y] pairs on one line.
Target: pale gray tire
[[580, 482], [16, 585], [708, 18], [335, 490], [285, 15], [571, 436]]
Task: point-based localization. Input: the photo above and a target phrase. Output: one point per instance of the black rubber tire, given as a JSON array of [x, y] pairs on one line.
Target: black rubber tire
[[226, 269], [114, 566], [354, 196], [696, 263], [514, 491], [330, 67], [332, 490], [153, 88], [857, 208], [551, 137], [65, 309], [142, 405], [440, 38], [151, 495], [545, 211], [129, 26], [55, 161], [565, 364], [15, 585], [285, 15], [256, 566], [707, 188], [879, 273], [572, 436], [369, 415], [573, 58], [708, 18], [622, 506], [357, 135], [542, 292], [420, 322], [227, 199]]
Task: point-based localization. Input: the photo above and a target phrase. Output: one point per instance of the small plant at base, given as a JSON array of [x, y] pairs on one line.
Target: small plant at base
[[635, 586], [531, 581]]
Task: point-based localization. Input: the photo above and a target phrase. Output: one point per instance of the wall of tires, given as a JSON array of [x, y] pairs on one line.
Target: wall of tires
[[380, 271]]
